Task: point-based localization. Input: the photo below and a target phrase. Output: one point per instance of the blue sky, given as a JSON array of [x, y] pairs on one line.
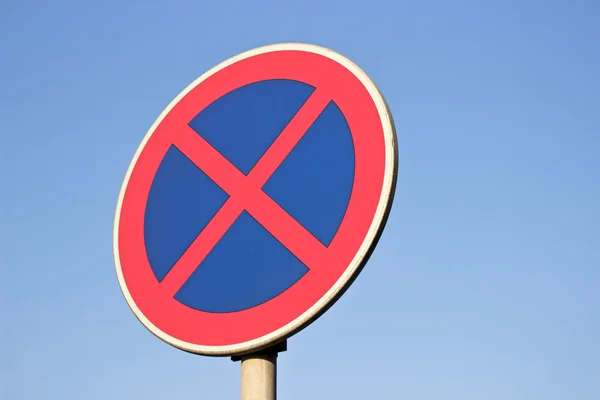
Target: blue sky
[[485, 282]]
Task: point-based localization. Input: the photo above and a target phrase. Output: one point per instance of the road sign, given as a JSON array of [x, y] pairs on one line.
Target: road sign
[[255, 199]]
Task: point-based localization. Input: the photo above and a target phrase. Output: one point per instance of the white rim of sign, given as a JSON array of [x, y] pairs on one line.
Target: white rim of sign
[[359, 260]]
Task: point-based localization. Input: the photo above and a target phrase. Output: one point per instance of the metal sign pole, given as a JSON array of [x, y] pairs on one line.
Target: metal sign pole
[[259, 377], [259, 373]]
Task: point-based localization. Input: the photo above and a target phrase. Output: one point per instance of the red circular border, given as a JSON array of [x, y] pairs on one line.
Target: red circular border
[[221, 329]]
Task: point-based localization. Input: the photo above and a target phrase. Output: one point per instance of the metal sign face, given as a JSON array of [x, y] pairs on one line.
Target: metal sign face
[[255, 199]]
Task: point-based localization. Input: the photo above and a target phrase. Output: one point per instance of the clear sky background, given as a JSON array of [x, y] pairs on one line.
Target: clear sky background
[[485, 284]]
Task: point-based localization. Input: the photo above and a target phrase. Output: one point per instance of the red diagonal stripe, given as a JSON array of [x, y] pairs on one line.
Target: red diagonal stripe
[[210, 161], [289, 138], [201, 246], [286, 229]]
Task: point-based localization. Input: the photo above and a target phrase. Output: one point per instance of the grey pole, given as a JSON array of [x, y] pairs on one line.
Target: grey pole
[[259, 373], [259, 376]]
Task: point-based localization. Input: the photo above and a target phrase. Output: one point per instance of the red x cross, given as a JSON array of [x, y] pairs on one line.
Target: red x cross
[[246, 194]]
